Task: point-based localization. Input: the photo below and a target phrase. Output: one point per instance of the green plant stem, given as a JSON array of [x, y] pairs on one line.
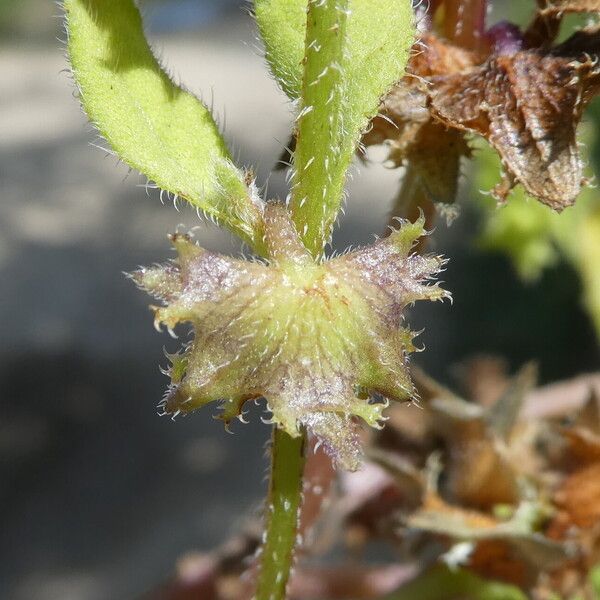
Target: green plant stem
[[442, 583], [322, 150], [283, 505]]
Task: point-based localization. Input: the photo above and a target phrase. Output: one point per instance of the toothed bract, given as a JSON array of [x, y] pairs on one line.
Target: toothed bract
[[308, 336]]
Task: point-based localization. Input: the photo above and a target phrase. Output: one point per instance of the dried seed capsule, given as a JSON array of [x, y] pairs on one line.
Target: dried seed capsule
[[304, 335]]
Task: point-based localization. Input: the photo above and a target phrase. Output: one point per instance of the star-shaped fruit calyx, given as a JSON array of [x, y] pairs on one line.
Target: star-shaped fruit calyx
[[313, 338]]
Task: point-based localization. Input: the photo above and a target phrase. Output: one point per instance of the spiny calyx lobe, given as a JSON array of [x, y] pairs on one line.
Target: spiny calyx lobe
[[312, 338]]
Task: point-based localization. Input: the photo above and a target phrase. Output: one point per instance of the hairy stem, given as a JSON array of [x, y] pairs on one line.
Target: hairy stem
[[285, 493], [322, 153]]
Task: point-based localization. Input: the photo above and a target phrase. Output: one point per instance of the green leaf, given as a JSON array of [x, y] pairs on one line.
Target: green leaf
[[588, 264], [340, 59], [594, 578], [282, 26], [155, 126]]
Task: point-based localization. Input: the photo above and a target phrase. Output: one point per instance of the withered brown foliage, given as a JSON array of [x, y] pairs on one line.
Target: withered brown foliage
[[510, 490], [505, 485], [517, 89]]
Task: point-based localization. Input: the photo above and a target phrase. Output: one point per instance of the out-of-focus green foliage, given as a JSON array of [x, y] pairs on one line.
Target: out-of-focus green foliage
[[443, 583], [595, 580], [535, 237], [282, 25], [6, 9]]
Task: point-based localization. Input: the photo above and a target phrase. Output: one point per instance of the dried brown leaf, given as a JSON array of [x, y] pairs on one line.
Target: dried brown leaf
[[484, 378], [498, 560], [566, 6], [433, 150], [527, 106], [457, 523], [440, 57], [561, 399], [477, 472], [527, 102], [584, 446]]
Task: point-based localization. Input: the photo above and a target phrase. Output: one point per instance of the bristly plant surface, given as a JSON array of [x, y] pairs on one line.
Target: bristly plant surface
[[315, 337]]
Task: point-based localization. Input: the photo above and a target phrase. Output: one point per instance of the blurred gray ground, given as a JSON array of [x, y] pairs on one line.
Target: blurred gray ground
[[98, 495]]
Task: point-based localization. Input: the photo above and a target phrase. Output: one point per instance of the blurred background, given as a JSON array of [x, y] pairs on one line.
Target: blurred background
[[98, 495]]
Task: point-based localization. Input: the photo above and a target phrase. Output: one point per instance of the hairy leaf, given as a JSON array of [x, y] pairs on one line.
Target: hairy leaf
[[535, 237], [282, 26], [152, 124]]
